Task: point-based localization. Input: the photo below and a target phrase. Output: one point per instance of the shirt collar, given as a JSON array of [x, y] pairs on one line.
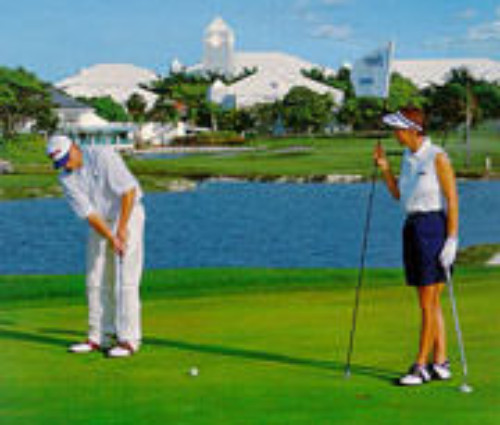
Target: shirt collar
[[426, 143]]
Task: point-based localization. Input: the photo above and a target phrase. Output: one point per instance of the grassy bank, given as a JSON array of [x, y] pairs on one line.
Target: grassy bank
[[318, 157], [33, 175], [307, 158], [206, 281], [269, 344]]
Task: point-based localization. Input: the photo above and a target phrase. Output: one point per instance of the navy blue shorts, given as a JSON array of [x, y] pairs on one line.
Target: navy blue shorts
[[424, 235]]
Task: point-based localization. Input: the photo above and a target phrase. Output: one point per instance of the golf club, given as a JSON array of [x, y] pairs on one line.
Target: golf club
[[119, 282], [361, 270], [464, 387]]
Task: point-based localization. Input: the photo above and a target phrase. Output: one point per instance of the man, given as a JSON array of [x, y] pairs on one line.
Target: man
[[101, 190]]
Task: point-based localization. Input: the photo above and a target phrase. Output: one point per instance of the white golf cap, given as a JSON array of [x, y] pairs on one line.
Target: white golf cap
[[58, 150], [399, 120]]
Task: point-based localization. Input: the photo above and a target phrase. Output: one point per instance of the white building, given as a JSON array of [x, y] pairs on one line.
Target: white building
[[218, 48], [119, 81], [68, 110], [275, 72], [221, 94], [83, 125], [425, 72], [176, 67]]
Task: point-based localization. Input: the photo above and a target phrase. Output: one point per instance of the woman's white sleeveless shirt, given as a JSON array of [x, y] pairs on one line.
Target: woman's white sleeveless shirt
[[418, 181]]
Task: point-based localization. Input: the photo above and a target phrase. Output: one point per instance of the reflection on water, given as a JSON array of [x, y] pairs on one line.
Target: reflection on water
[[240, 224]]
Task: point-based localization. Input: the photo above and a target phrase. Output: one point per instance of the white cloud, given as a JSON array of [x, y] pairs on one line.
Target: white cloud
[[301, 5], [311, 13], [333, 2], [483, 37], [310, 17], [489, 31], [467, 14], [334, 32]]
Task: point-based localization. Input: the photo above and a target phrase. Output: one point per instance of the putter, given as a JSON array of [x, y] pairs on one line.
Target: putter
[[464, 387], [118, 283], [364, 245]]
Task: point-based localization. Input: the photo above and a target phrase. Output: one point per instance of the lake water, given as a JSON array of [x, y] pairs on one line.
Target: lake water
[[240, 224]]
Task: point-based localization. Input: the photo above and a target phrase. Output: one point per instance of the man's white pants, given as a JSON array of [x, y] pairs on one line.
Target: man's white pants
[[113, 284]]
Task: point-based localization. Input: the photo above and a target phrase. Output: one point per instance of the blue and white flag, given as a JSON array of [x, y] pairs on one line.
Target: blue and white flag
[[371, 74]]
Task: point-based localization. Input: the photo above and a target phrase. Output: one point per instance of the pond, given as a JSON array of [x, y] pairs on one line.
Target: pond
[[240, 224]]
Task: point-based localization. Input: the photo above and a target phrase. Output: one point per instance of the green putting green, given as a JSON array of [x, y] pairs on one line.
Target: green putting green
[[269, 344]]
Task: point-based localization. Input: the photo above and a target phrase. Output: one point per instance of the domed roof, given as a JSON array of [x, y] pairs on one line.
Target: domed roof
[[218, 25], [116, 80]]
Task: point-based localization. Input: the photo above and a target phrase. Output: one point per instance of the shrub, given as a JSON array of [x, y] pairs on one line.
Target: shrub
[[210, 138]]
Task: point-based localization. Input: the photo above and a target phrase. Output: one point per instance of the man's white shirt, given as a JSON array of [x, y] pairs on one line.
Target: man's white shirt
[[98, 186]]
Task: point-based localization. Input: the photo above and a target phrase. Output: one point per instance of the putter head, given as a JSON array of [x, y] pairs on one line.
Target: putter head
[[347, 374], [464, 388]]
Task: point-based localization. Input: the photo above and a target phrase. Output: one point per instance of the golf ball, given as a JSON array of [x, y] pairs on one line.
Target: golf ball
[[194, 371]]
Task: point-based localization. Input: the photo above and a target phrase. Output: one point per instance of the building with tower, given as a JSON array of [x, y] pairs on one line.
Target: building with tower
[[218, 48], [273, 73]]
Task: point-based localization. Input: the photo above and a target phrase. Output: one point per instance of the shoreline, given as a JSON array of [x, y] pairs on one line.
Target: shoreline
[[158, 183]]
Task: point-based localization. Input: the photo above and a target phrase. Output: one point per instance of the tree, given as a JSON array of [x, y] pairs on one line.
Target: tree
[[364, 113], [307, 111], [164, 110], [264, 116], [453, 104], [445, 107], [107, 108], [190, 91], [340, 81], [24, 99], [403, 93], [137, 107], [238, 120], [488, 99]]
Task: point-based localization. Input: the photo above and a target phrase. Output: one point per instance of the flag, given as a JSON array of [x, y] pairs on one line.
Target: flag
[[370, 75]]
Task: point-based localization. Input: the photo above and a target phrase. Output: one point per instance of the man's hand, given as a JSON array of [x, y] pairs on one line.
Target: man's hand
[[122, 236], [101, 227], [118, 246], [127, 205]]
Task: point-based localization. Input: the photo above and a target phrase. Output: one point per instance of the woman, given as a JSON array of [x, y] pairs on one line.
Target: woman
[[427, 191]]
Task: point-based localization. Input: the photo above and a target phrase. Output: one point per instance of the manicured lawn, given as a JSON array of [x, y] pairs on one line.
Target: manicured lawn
[[301, 157], [270, 346], [273, 158], [318, 157]]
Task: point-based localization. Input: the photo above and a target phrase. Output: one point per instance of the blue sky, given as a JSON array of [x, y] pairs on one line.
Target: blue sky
[[56, 38]]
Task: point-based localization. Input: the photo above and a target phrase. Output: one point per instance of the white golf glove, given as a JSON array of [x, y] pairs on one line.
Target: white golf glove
[[449, 252]]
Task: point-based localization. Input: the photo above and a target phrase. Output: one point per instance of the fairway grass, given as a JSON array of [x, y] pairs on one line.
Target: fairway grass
[[292, 158], [269, 344]]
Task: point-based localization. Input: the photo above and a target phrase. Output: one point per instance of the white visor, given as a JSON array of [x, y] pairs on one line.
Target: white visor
[[398, 120]]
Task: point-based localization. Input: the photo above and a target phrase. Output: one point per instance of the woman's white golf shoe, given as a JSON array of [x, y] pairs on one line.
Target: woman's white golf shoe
[[417, 375], [441, 371]]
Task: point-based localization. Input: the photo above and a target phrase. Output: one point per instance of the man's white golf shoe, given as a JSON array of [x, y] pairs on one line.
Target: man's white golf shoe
[[122, 349], [85, 347], [89, 345]]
